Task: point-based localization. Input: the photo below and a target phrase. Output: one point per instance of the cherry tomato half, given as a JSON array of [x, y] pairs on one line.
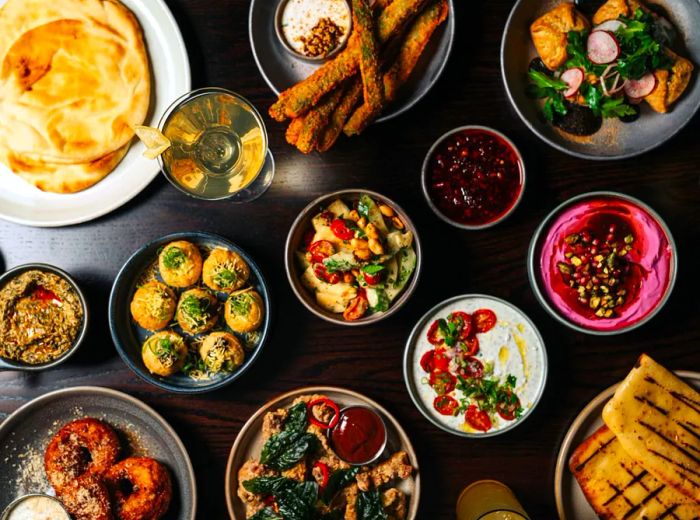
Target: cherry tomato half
[[478, 419], [322, 274], [508, 406], [484, 320], [372, 279], [471, 368], [320, 249], [434, 360], [435, 335], [442, 381], [446, 405], [463, 322], [470, 345], [341, 229]]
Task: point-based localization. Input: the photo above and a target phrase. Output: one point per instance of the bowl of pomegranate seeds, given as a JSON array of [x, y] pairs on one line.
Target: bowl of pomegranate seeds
[[473, 177], [602, 263]]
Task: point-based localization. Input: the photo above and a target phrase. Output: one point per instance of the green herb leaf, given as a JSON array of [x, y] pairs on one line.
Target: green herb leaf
[[333, 265], [266, 514], [338, 480], [297, 418], [285, 449], [174, 257], [373, 269], [369, 506], [225, 278], [363, 208]]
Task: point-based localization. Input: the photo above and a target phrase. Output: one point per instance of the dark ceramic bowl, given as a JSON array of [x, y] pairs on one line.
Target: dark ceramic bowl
[[25, 434], [616, 140], [280, 69], [296, 235], [129, 337], [6, 364]]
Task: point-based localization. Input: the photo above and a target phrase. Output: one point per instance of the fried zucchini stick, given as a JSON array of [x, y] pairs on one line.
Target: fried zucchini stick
[[347, 104], [293, 130], [301, 97], [363, 23], [316, 120], [413, 46]]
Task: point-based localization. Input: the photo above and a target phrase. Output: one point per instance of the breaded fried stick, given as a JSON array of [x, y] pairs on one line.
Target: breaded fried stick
[[413, 46], [372, 88], [342, 112], [316, 120], [299, 98]]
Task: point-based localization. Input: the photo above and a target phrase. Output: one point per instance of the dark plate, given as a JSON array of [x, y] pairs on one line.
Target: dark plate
[[25, 434], [281, 69], [616, 140], [129, 337]]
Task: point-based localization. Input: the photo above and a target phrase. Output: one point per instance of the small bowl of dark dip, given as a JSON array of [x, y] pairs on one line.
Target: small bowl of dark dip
[[43, 317]]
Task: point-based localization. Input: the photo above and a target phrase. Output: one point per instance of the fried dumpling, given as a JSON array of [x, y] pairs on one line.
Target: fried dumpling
[[549, 33]]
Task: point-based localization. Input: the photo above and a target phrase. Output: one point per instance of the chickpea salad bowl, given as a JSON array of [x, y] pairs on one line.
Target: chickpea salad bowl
[[353, 257], [189, 312]]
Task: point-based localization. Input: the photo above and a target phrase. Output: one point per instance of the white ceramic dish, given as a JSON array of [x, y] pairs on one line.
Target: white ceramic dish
[[571, 502], [22, 203]]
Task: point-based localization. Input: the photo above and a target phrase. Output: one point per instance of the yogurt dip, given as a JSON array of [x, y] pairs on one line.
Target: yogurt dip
[[647, 265], [37, 507], [510, 351], [314, 28]]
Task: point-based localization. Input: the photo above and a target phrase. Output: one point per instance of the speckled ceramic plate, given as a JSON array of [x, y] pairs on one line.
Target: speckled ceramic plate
[[616, 140], [25, 434], [281, 69], [571, 502], [530, 338], [129, 337], [249, 443]]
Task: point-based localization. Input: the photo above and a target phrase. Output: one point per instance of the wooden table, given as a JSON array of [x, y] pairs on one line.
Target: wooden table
[[305, 350]]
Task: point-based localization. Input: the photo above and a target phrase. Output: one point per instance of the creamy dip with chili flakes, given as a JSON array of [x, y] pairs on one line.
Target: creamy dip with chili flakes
[[315, 28], [40, 317], [38, 508], [510, 350]]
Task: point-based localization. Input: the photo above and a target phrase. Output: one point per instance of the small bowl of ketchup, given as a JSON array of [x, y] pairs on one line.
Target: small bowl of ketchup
[[473, 177], [360, 435]]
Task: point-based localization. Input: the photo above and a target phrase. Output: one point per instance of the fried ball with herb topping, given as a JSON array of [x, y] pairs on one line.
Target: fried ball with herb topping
[[164, 353], [225, 270], [221, 352], [244, 311], [153, 305], [180, 264], [197, 310]]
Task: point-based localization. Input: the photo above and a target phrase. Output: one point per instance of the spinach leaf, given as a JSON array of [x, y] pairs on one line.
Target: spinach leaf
[[369, 506], [285, 449], [266, 514], [337, 481], [296, 420], [264, 485], [297, 500]]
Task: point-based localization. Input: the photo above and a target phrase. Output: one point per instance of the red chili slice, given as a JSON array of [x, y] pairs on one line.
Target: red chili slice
[[442, 381], [470, 346], [472, 369], [325, 474], [435, 336], [484, 320], [446, 405], [45, 295], [508, 406], [320, 250], [322, 274], [341, 229], [463, 322], [478, 419], [327, 402]]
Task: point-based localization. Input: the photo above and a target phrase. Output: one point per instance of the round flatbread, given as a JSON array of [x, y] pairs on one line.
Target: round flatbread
[[74, 80]]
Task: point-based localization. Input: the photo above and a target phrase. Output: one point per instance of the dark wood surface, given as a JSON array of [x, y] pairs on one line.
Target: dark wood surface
[[305, 350]]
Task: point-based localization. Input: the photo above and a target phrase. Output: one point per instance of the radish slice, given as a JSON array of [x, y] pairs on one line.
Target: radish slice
[[610, 26], [573, 78], [642, 87], [602, 47]]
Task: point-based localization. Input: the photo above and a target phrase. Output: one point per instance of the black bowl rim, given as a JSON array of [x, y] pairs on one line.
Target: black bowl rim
[[6, 364], [122, 278], [290, 267]]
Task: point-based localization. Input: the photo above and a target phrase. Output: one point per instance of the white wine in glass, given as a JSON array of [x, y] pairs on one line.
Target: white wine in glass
[[489, 500]]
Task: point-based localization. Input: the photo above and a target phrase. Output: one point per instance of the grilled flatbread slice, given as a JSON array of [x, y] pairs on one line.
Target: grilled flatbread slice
[[656, 418], [617, 487], [74, 79]]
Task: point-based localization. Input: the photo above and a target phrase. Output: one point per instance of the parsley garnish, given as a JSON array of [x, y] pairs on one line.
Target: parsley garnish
[[174, 257]]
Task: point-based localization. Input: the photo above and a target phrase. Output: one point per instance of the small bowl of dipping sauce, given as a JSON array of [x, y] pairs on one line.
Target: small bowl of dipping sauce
[[473, 177], [35, 507], [360, 436], [313, 30]]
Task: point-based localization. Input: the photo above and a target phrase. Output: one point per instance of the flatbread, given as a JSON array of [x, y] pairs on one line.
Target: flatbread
[[65, 178], [656, 418], [618, 487]]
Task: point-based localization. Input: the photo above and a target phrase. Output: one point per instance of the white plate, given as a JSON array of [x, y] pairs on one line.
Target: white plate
[[571, 502], [170, 67]]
